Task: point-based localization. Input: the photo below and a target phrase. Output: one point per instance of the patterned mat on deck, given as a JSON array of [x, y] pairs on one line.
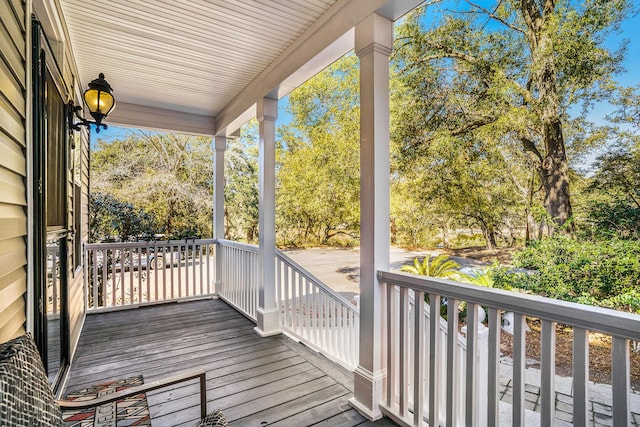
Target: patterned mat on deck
[[132, 411]]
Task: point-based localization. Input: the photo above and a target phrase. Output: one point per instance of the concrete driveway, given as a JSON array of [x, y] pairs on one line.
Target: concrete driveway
[[339, 268]]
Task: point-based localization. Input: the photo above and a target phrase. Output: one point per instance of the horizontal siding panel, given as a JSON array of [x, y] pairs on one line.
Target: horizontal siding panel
[[12, 189], [12, 56], [12, 89], [18, 8], [12, 227], [13, 27], [12, 157], [11, 124], [13, 223], [13, 328], [12, 287], [13, 255], [13, 314]]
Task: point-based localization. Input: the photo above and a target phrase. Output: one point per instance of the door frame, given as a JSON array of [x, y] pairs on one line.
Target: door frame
[[44, 62]]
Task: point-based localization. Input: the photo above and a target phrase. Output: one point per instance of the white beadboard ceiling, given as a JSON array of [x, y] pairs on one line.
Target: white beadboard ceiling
[[200, 58]]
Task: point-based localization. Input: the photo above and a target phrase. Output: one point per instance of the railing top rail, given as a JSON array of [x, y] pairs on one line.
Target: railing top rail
[[244, 246], [150, 243], [611, 322], [317, 282]]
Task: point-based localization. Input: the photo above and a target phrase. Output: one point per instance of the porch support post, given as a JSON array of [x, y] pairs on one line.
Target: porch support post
[[373, 45], [267, 313], [220, 145]]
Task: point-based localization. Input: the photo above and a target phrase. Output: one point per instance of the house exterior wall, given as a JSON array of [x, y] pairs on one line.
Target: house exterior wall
[[79, 180], [13, 168], [15, 141]]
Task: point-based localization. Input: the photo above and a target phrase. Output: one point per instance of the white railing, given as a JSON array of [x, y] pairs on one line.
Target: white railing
[[315, 314], [239, 281], [401, 335], [134, 273], [418, 359]]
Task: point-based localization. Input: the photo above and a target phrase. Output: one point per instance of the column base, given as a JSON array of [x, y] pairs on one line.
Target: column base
[[217, 285], [268, 322], [367, 393]]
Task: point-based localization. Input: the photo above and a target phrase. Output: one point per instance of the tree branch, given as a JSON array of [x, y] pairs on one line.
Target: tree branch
[[531, 14], [450, 53], [549, 6], [530, 147], [492, 15], [473, 125]]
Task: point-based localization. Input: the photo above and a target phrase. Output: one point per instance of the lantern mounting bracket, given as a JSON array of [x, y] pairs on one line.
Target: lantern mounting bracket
[[75, 110]]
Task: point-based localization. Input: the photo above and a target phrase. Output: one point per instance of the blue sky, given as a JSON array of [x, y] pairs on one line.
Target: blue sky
[[631, 77]]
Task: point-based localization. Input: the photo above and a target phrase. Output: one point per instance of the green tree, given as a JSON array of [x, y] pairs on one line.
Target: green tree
[[318, 158], [610, 205], [167, 175], [110, 219], [241, 185], [511, 70], [613, 208], [477, 184]]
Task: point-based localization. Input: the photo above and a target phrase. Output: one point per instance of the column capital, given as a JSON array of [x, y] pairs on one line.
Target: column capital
[[267, 109], [220, 142], [374, 34], [374, 48]]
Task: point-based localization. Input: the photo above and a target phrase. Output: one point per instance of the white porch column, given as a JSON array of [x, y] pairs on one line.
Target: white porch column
[[267, 312], [373, 45], [220, 145]]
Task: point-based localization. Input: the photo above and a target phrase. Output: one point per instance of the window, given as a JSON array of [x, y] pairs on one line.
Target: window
[[55, 160]]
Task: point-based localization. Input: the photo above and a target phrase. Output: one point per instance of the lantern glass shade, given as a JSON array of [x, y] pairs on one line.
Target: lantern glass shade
[[99, 102]]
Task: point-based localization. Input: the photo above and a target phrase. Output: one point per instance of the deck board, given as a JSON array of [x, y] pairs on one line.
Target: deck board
[[255, 381]]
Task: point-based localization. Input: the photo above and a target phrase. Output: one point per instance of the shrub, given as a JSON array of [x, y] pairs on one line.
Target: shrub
[[604, 273]]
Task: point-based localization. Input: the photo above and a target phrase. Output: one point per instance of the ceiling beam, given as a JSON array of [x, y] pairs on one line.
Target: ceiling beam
[[141, 116]]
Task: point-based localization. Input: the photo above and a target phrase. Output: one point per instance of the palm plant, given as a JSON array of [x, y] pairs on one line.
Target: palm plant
[[484, 278], [440, 266]]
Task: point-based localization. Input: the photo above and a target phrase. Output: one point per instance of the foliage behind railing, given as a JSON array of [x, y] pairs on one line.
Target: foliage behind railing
[[131, 273]]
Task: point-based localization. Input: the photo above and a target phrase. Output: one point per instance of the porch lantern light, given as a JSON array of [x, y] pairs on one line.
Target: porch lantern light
[[99, 101]]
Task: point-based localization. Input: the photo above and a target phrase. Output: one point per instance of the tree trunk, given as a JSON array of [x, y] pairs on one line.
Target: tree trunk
[[554, 173], [168, 223], [444, 227], [554, 169], [489, 233], [394, 231], [492, 243]]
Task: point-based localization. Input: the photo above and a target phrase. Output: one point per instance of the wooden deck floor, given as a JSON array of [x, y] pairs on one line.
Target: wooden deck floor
[[255, 381]]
